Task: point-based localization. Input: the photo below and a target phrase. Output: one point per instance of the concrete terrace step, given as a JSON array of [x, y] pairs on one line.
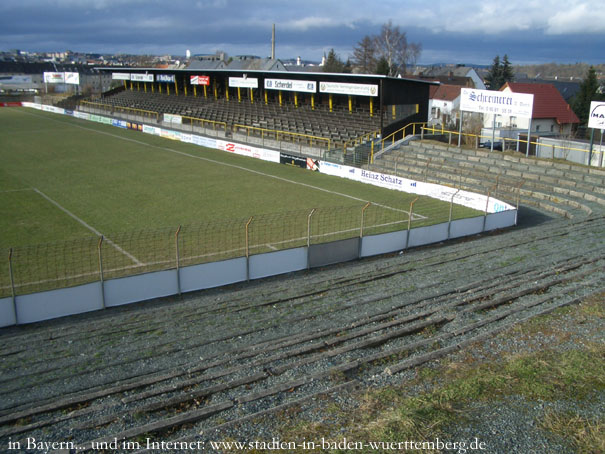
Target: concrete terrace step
[[472, 171]]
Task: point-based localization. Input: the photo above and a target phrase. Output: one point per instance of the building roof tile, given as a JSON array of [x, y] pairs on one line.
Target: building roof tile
[[548, 102]]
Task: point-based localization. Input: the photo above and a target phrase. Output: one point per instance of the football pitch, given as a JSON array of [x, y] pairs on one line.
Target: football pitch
[[65, 181]]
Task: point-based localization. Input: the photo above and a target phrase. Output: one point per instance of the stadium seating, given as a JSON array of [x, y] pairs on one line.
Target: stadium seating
[[340, 125]]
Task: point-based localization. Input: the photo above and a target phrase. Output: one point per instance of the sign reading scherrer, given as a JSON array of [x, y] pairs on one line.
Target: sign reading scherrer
[[496, 102]]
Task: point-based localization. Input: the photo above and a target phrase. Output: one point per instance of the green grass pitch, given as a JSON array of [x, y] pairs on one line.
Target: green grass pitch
[[64, 180]]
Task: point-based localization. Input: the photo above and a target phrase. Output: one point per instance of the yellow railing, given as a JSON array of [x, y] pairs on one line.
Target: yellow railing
[[478, 138], [205, 123], [276, 134], [412, 128], [123, 109]]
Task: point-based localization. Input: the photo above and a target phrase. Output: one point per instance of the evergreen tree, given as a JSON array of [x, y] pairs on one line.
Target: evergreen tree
[[333, 63], [382, 67], [493, 76], [499, 73], [587, 93], [507, 74]]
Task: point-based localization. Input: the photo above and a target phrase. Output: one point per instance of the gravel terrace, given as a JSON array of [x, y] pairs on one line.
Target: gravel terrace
[[219, 363]]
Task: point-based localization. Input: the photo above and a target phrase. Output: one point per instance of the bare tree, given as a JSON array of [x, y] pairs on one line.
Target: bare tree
[[392, 45]]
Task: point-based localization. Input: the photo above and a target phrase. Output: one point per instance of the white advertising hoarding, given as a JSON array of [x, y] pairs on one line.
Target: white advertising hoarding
[[120, 76], [243, 82], [72, 78], [304, 86], [596, 116], [54, 78], [141, 77], [348, 89], [496, 102]]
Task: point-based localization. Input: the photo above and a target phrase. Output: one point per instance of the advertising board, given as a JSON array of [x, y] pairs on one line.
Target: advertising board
[[120, 76], [251, 152], [243, 82], [199, 80], [165, 78], [141, 77], [596, 116], [54, 78], [72, 78], [348, 89], [303, 86], [172, 118], [496, 102], [292, 160]]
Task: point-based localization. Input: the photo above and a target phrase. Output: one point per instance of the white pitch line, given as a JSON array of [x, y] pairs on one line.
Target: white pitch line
[[16, 190], [88, 226], [226, 164]]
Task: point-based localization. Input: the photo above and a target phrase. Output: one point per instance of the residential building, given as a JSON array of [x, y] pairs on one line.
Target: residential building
[[551, 116], [444, 104]]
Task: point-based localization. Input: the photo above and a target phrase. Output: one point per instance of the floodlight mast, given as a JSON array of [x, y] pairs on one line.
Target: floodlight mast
[[273, 43]]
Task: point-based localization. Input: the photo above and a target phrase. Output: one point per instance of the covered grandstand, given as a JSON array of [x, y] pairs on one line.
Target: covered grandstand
[[329, 113]]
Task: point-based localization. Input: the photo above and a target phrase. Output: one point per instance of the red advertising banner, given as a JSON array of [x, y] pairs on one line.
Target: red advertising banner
[[200, 80], [10, 104]]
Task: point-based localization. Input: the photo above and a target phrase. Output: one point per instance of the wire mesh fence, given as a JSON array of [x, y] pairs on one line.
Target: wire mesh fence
[[43, 267]]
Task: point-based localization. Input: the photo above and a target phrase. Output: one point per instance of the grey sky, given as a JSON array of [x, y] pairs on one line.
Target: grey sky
[[470, 31]]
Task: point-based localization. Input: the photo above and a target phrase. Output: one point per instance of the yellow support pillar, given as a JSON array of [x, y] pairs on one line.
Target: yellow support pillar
[[160, 88], [215, 91], [350, 104], [145, 86], [280, 99], [168, 89], [138, 86], [125, 86], [266, 98], [295, 99], [176, 87], [251, 96], [312, 101], [205, 92], [239, 94], [330, 103], [152, 88], [195, 91], [371, 108], [227, 93], [417, 108], [185, 88], [393, 111]]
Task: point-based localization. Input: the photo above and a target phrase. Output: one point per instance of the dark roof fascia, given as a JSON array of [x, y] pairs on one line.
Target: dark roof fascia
[[373, 77]]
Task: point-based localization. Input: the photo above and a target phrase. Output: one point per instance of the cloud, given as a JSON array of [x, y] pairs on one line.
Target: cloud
[[580, 18]]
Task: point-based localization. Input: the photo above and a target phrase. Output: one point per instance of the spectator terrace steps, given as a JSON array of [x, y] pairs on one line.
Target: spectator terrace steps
[[564, 189]]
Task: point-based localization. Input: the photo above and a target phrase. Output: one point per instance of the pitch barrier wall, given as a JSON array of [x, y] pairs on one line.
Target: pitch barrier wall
[[99, 295]]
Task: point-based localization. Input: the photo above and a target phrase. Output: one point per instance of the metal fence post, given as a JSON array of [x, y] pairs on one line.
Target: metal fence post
[[178, 259], [309, 236], [248, 249], [518, 199], [407, 239], [485, 213], [449, 224], [101, 276], [363, 210], [12, 280]]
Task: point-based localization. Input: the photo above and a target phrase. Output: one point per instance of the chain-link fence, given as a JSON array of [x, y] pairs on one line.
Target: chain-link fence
[[30, 269]]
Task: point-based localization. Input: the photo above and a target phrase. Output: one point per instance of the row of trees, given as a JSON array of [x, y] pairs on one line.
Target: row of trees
[[389, 53]]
